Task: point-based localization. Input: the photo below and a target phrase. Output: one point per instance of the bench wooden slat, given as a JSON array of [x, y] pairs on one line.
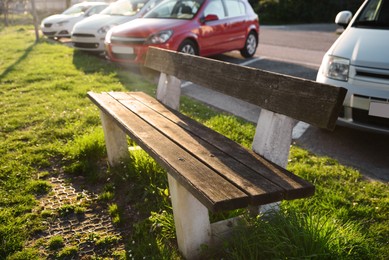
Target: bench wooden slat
[[260, 189], [292, 185], [202, 181], [300, 99]]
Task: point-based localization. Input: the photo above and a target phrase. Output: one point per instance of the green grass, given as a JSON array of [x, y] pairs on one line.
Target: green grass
[[49, 126], [56, 242]]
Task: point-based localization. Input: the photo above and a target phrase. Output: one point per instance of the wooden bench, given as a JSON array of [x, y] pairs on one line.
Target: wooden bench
[[206, 170]]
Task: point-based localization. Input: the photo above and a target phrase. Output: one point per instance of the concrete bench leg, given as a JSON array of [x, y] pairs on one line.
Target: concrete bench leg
[[115, 140], [169, 91], [191, 219], [272, 140]]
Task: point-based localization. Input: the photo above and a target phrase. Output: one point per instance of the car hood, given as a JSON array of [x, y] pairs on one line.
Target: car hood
[[61, 17], [97, 21], [143, 27], [364, 47]]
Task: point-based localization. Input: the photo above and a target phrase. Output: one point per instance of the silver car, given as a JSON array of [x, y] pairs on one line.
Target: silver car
[[89, 34], [359, 61], [61, 25]]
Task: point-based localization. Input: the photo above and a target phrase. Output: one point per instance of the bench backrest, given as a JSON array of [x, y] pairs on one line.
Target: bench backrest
[[305, 100]]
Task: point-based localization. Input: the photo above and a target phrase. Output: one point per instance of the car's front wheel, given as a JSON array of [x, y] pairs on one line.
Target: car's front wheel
[[250, 46], [189, 47]]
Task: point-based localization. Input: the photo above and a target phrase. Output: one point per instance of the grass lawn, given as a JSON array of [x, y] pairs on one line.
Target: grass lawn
[[55, 181]]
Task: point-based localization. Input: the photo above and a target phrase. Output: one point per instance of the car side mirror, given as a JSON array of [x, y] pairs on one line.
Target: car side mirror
[[343, 18], [210, 17]]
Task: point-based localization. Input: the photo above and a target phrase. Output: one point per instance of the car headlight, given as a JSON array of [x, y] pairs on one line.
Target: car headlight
[[107, 39], [62, 23], [160, 37], [337, 68], [105, 29]]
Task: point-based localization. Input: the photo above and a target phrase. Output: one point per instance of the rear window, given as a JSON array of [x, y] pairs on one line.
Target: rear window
[[375, 14], [215, 7], [235, 8]]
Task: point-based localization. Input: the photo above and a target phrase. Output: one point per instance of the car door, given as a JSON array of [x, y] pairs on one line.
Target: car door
[[211, 34], [236, 28]]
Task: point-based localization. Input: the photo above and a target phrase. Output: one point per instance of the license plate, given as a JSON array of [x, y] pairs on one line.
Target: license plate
[[379, 109], [122, 49]]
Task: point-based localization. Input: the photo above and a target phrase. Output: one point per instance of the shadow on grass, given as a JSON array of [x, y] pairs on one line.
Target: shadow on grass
[[92, 63], [18, 61]]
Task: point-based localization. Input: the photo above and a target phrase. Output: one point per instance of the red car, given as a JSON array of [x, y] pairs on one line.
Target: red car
[[199, 27]]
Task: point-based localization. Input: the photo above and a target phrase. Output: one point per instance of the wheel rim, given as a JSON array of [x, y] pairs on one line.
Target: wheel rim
[[251, 44], [187, 48]]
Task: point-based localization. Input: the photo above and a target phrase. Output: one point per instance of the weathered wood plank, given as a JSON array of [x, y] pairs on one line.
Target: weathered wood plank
[[200, 180], [304, 100], [293, 186], [261, 190]]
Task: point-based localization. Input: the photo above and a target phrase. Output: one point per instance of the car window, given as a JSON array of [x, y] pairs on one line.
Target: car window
[[215, 7], [235, 8], [175, 9], [95, 10], [150, 5], [124, 7], [374, 15], [76, 9]]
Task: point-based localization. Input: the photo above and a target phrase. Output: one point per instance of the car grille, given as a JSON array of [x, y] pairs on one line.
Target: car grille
[[372, 98], [47, 25], [63, 32], [49, 33], [362, 116], [86, 45], [127, 40], [372, 75], [83, 35], [378, 75]]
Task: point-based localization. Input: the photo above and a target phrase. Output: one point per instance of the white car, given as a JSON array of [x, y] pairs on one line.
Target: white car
[[89, 34], [359, 61], [61, 25]]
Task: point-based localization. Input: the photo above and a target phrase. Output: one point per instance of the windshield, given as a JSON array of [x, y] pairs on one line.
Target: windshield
[[76, 9], [124, 7], [374, 15], [176, 9]]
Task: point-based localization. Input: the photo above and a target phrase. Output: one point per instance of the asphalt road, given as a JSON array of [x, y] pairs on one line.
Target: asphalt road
[[297, 51]]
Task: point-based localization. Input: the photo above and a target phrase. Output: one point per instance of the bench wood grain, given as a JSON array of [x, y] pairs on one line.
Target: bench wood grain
[[201, 159]]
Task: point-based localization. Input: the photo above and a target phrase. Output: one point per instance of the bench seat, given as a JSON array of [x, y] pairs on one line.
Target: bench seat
[[220, 173]]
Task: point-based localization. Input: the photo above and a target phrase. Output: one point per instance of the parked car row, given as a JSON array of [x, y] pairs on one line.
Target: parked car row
[[89, 34], [61, 25], [126, 28]]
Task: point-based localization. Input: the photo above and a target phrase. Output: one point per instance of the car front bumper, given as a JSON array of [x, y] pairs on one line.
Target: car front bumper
[[366, 105], [88, 42]]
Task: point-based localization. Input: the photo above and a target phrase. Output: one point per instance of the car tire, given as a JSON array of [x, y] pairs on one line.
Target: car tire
[[189, 47], [250, 46]]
